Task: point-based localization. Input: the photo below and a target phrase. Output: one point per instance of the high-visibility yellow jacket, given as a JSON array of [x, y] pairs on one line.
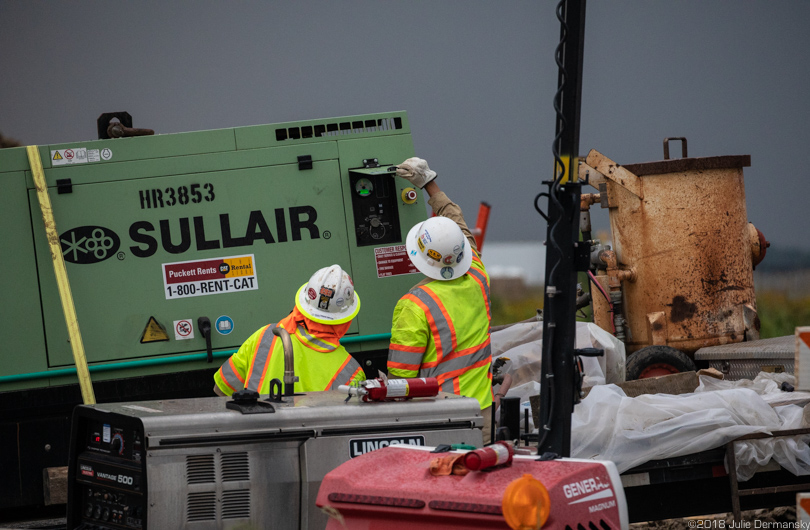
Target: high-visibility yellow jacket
[[442, 329], [320, 362]]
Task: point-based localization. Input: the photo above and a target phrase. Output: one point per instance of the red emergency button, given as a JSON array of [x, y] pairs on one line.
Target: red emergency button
[[409, 195]]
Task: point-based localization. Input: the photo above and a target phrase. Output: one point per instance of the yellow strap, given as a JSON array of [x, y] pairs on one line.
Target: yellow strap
[[61, 276]]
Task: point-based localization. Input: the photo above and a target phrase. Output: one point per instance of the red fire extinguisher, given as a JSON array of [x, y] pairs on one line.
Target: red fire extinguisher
[[382, 389], [497, 454]]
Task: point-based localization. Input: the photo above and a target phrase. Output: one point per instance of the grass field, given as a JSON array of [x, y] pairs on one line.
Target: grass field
[[779, 313]]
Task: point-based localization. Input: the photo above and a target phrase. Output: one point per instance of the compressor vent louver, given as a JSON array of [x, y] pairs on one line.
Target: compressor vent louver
[[200, 469], [202, 506], [234, 466], [236, 504], [338, 129]]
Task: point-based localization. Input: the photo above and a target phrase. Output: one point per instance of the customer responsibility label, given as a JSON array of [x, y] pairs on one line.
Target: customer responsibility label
[[232, 274], [393, 261]]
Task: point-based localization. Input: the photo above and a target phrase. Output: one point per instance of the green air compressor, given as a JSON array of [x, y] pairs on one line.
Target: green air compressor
[[177, 248]]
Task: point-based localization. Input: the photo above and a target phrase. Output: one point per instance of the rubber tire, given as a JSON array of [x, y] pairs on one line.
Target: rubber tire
[[652, 361]]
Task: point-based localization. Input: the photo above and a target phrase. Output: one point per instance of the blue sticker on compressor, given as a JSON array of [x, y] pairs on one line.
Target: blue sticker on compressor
[[224, 325]]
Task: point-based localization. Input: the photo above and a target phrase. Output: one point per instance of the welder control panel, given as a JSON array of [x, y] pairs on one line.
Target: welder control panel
[[374, 202], [107, 483]]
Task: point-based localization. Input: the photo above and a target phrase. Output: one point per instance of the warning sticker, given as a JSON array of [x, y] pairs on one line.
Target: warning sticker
[[393, 261], [183, 329], [63, 157], [210, 276], [153, 332]]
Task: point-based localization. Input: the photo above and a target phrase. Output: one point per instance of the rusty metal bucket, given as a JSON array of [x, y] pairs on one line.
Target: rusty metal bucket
[[684, 249]]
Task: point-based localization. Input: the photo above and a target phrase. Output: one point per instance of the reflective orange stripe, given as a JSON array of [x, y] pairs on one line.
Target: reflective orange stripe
[[235, 372], [337, 372], [457, 373], [267, 364], [434, 330], [404, 366], [467, 351], [409, 349], [255, 351], [449, 320], [483, 293]]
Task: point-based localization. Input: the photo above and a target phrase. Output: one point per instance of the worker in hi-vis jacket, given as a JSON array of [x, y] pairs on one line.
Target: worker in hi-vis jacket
[[324, 309], [441, 327]]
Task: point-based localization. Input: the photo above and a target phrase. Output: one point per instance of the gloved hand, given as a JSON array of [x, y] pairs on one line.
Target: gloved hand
[[416, 171]]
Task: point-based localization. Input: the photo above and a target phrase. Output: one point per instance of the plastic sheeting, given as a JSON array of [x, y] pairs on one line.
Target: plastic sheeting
[[631, 431], [522, 343]]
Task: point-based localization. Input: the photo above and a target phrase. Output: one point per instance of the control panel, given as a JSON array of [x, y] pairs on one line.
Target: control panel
[[106, 477], [374, 202]]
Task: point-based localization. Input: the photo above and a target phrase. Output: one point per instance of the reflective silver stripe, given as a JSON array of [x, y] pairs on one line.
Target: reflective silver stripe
[[344, 376], [445, 337], [260, 360], [478, 274], [315, 340], [405, 357], [447, 386], [229, 376], [463, 362]]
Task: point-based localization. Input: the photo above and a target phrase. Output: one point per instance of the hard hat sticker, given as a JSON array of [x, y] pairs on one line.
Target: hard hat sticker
[[447, 272], [434, 255], [231, 274]]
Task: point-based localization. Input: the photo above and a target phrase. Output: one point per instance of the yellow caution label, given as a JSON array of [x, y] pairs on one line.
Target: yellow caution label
[[154, 332], [57, 156], [566, 167]]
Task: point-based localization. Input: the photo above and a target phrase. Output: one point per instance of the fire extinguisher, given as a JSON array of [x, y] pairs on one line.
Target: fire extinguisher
[[383, 389], [497, 454]]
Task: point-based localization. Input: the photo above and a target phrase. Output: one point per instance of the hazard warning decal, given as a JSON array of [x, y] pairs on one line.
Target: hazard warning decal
[[154, 332], [78, 155], [232, 274], [393, 261]]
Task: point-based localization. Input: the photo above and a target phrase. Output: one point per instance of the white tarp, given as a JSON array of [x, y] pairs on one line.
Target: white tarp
[[608, 425], [630, 431]]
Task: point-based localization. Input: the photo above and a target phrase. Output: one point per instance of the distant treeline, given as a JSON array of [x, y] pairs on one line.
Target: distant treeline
[[784, 259]]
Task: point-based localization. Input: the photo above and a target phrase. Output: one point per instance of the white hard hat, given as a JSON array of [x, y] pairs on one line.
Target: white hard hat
[[328, 297], [438, 248]]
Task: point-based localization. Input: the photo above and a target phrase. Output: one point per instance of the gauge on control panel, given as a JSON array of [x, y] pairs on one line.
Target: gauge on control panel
[[374, 201], [363, 187], [118, 443]]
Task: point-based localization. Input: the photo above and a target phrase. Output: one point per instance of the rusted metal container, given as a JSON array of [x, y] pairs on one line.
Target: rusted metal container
[[680, 233]]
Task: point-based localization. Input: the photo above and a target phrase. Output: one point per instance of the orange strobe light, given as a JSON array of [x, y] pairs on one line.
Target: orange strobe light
[[526, 504]]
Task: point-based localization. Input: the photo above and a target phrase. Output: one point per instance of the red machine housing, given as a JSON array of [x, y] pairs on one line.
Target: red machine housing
[[401, 493]]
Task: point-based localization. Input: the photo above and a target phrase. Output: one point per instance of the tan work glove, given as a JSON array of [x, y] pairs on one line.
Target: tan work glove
[[416, 171]]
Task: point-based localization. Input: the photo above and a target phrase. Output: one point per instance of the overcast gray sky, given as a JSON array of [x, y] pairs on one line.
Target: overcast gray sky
[[476, 77]]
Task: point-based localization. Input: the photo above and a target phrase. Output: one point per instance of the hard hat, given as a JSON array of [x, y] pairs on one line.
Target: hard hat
[[328, 297], [438, 248]]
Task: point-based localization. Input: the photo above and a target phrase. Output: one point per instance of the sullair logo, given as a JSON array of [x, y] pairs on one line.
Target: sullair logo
[[92, 244], [89, 244]]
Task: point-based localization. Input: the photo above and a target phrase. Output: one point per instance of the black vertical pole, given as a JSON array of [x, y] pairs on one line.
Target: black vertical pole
[[557, 396]]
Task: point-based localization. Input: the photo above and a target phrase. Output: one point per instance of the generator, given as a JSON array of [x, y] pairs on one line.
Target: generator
[[177, 248], [213, 463]]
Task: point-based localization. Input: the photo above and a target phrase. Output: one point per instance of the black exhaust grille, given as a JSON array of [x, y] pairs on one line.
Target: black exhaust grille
[[200, 469], [236, 504], [201, 506], [338, 129], [235, 466]]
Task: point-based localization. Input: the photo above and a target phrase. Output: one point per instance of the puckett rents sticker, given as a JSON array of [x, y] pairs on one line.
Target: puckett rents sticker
[[231, 274]]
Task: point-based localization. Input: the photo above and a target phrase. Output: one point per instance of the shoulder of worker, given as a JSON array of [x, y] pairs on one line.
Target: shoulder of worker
[[444, 207]]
